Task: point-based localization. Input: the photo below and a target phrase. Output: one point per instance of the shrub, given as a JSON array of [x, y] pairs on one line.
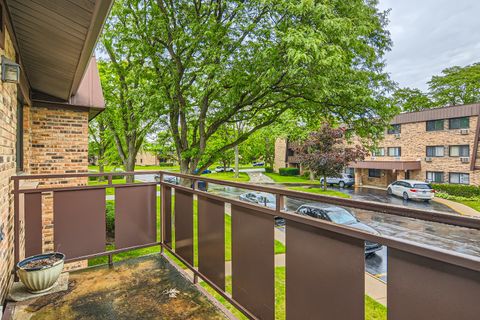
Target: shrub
[[92, 178], [166, 164], [458, 190], [289, 171], [306, 175], [110, 218], [268, 169]]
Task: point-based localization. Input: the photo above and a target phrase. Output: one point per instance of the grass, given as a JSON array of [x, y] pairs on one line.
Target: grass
[[278, 246], [109, 191], [474, 204], [331, 193], [291, 179], [373, 309], [137, 168], [228, 176]]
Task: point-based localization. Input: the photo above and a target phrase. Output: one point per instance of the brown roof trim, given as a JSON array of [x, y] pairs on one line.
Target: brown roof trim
[[387, 165], [92, 111], [100, 14], [449, 112]]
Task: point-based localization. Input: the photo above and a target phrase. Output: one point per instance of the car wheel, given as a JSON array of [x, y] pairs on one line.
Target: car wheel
[[405, 196], [389, 191], [341, 184]]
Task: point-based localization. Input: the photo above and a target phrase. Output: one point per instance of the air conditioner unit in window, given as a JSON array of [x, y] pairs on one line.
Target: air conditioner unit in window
[[463, 131], [397, 135], [428, 159], [465, 159]]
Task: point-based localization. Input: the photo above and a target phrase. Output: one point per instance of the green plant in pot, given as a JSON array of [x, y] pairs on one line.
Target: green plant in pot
[[40, 272]]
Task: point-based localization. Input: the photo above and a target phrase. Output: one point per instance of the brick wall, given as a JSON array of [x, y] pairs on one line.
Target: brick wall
[[280, 154], [57, 143], [414, 140], [8, 125]]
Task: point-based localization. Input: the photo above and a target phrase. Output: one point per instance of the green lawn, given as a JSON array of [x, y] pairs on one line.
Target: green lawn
[[278, 246], [474, 204], [109, 191], [291, 179], [228, 176], [332, 193], [373, 310], [137, 168]]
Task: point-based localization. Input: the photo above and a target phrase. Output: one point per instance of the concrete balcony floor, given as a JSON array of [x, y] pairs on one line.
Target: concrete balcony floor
[[144, 288]]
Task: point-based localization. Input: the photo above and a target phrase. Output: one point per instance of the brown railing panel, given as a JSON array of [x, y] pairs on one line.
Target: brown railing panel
[[424, 288], [79, 222], [211, 240], [184, 224], [135, 216], [166, 215], [324, 274], [33, 223], [253, 280]]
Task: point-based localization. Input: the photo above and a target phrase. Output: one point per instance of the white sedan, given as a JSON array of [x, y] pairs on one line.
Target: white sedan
[[411, 189]]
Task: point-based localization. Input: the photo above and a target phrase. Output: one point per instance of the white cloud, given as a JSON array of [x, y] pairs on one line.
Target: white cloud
[[429, 36]]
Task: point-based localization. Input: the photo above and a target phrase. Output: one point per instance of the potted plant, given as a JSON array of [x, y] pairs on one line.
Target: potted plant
[[40, 272]]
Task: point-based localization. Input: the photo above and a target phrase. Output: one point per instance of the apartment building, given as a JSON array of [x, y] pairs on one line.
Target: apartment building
[[438, 145]]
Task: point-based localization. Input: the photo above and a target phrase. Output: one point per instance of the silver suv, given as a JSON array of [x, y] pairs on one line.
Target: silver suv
[[344, 180]]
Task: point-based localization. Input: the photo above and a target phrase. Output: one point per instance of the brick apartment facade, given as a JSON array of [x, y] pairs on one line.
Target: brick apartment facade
[[44, 117], [438, 145]]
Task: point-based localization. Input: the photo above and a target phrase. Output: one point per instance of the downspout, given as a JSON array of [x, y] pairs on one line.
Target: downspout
[[475, 145]]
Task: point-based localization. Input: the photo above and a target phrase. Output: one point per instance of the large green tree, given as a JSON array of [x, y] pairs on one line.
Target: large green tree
[[218, 62]]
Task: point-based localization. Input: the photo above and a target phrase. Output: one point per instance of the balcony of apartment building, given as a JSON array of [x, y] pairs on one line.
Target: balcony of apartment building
[[188, 251]]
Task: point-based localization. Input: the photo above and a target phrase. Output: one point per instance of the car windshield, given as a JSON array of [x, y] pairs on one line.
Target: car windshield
[[340, 216], [422, 186], [349, 176]]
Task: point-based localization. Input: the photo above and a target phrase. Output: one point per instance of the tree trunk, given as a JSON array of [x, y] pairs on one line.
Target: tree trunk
[[130, 166], [324, 187], [101, 163], [312, 175], [237, 173]]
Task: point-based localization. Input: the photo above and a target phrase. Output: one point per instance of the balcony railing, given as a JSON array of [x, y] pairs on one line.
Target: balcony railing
[[325, 262]]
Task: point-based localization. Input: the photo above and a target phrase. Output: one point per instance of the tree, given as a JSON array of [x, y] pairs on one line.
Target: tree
[[130, 113], [411, 99], [99, 142], [215, 63], [456, 86], [326, 153]]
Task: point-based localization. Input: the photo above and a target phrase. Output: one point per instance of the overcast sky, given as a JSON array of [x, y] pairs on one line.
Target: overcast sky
[[430, 35]]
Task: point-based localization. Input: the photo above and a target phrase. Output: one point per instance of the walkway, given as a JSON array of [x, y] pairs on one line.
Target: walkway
[[258, 177], [459, 207]]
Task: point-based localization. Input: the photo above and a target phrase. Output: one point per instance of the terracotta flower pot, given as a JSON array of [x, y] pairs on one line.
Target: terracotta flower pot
[[40, 277]]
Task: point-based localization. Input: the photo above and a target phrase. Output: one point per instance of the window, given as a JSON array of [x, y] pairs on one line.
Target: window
[[435, 151], [379, 152], [459, 178], [435, 125], [394, 152], [435, 176], [394, 129], [459, 123], [460, 151], [374, 173]]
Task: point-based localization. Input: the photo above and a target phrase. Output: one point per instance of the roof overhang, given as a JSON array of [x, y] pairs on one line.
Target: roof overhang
[[55, 40], [387, 165]]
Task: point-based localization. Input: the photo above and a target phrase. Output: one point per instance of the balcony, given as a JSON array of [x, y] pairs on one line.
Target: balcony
[[229, 245]]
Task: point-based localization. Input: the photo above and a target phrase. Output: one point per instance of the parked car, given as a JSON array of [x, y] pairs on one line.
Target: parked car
[[340, 216], [344, 180], [412, 189], [206, 171], [264, 199], [223, 169], [259, 164]]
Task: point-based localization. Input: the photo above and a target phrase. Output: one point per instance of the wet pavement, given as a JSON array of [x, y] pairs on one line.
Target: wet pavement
[[435, 234], [143, 288]]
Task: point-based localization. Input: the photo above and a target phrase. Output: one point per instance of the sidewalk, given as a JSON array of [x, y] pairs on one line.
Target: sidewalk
[[459, 207]]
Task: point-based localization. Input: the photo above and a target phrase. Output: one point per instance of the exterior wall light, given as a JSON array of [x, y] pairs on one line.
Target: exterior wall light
[[10, 71]]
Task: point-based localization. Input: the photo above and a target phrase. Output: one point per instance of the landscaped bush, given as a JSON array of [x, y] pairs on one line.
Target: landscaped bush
[[289, 171], [92, 178], [166, 164], [268, 169], [458, 190], [110, 218], [306, 175]]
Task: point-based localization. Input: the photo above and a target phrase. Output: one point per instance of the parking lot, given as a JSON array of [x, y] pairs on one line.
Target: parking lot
[[438, 235]]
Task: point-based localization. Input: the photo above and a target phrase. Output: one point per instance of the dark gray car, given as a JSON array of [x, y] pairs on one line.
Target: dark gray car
[[340, 216]]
